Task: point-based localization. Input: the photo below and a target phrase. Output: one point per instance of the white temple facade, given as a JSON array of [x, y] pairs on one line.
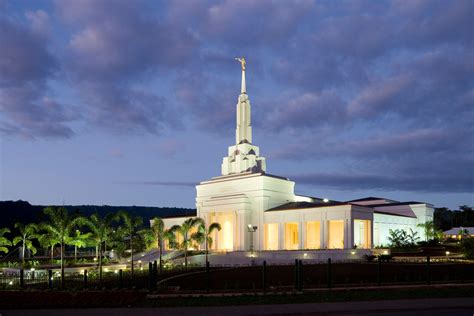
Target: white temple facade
[[261, 212]]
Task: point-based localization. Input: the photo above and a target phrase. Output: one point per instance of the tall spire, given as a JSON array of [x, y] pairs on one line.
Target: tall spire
[[243, 156]]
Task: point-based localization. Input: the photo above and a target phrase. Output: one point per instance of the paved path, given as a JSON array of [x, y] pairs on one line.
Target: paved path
[[416, 307]]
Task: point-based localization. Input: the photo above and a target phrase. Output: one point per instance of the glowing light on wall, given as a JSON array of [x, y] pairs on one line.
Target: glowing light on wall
[[336, 234], [291, 236], [271, 236], [313, 235]]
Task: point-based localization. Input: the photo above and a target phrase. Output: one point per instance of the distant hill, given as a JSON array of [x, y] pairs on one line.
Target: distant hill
[[22, 211]]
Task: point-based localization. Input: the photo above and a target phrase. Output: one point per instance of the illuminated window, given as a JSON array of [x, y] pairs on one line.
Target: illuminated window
[[336, 234], [313, 235], [271, 236], [362, 233], [291, 236]]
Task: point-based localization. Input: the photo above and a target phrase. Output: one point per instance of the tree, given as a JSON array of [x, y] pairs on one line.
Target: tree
[[101, 228], [60, 227], [48, 240], [429, 229], [158, 234], [130, 228], [185, 231], [79, 240], [204, 235], [463, 232], [28, 233], [4, 242]]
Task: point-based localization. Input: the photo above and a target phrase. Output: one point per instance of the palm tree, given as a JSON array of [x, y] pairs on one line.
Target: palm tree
[[429, 229], [60, 227], [48, 240], [101, 228], [130, 228], [204, 235], [185, 231], [4, 242], [79, 240], [26, 237], [157, 233]]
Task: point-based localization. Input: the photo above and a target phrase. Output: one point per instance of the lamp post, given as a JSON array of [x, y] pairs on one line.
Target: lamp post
[[251, 229]]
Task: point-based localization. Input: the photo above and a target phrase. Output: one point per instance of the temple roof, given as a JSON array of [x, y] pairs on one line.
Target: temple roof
[[301, 205]]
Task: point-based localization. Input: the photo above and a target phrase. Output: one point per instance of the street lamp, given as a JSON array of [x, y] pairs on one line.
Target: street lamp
[[251, 229]]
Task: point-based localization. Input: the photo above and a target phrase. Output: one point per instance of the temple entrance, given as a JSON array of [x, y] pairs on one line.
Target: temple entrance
[[224, 239]]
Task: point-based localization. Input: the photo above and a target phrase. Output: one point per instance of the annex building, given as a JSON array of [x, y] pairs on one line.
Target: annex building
[[260, 211]]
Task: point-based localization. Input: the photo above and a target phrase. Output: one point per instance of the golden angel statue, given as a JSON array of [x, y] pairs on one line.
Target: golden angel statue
[[242, 62]]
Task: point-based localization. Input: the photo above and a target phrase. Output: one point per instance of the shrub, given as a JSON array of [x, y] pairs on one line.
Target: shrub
[[369, 258], [385, 258], [467, 248]]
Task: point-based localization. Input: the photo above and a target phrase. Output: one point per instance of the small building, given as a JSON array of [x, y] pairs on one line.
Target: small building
[[260, 211], [459, 232]]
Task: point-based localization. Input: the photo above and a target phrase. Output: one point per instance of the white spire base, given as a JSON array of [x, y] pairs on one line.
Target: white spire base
[[243, 88]]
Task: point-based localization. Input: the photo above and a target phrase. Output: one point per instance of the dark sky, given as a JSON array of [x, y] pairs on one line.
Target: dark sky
[[133, 102]]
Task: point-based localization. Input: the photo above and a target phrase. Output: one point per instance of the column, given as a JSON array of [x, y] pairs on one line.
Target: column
[[281, 236], [348, 233], [324, 234], [301, 235]]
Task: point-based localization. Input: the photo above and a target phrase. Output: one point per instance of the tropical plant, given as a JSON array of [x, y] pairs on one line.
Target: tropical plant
[[204, 234], [467, 248], [4, 242], [401, 239], [60, 227], [185, 231], [156, 235], [48, 240], [101, 229], [463, 232], [130, 229], [79, 240], [28, 233]]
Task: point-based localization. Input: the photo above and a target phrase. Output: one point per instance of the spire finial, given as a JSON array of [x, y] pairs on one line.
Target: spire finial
[[242, 61]]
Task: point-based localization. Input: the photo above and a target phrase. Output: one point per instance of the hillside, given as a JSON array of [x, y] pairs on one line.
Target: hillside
[[22, 211]]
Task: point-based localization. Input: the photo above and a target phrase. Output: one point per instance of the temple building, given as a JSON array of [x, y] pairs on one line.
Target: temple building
[[259, 211]]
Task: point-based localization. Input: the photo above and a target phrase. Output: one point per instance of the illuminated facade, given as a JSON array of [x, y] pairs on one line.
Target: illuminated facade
[[245, 195]]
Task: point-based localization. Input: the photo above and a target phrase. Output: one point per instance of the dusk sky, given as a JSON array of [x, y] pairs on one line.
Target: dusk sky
[[133, 102]]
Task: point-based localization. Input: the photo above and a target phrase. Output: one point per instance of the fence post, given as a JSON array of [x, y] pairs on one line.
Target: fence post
[[379, 272], [120, 279], [428, 276], [300, 275], [150, 276], [208, 277], [297, 272], [329, 273], [264, 276], [85, 278], [155, 274], [50, 279], [22, 278]]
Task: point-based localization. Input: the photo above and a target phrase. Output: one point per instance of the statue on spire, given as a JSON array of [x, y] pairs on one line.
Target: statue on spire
[[242, 62]]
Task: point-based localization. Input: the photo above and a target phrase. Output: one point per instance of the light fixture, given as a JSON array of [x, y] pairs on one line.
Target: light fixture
[[95, 259], [353, 252], [305, 254], [32, 269], [10, 283], [116, 271], [447, 253], [385, 252], [325, 200]]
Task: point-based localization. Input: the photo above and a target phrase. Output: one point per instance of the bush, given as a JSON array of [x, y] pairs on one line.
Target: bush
[[385, 258], [429, 243], [467, 248], [369, 258]]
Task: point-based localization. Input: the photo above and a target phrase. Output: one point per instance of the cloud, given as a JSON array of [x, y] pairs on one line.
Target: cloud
[[26, 65], [165, 183], [116, 50]]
